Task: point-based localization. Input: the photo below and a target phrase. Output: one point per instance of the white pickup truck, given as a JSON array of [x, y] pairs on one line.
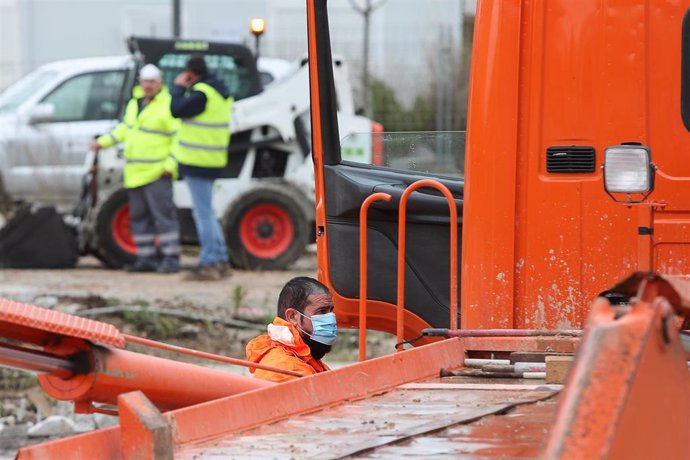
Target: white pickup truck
[[265, 200]]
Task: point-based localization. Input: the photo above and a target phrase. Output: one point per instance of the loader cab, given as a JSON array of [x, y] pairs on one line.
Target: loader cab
[[232, 63]]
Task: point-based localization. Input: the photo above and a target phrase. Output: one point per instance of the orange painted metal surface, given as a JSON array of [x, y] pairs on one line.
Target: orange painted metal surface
[[491, 169], [560, 73], [628, 395], [259, 407], [363, 271], [317, 149], [74, 369], [40, 326], [145, 434], [169, 384], [402, 231]]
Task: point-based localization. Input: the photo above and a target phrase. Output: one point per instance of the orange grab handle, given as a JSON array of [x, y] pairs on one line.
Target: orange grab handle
[[363, 270], [401, 254]]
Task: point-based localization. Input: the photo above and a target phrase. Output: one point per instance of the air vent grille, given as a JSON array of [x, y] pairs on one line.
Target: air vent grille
[[570, 159]]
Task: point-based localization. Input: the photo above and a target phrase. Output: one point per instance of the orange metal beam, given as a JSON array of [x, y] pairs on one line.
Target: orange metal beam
[[169, 384], [145, 433]]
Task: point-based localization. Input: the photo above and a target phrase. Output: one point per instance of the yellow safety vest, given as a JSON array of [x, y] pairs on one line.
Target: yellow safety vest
[[203, 140], [148, 136]]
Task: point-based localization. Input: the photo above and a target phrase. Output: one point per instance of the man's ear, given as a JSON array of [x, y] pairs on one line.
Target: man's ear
[[291, 316]]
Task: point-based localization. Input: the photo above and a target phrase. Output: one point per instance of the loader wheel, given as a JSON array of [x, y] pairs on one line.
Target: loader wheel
[[266, 229], [115, 245]]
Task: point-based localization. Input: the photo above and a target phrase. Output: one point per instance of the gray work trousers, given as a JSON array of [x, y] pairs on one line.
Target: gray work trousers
[[152, 212]]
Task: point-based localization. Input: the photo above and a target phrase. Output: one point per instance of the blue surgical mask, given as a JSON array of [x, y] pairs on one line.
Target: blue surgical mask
[[324, 326]]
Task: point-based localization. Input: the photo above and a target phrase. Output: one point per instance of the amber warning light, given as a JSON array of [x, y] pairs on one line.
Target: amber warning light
[[257, 26]]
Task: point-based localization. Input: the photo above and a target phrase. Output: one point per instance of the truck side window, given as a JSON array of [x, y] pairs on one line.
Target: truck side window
[[439, 153], [87, 97]]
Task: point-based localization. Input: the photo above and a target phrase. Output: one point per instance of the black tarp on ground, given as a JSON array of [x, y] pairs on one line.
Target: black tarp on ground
[[37, 237]]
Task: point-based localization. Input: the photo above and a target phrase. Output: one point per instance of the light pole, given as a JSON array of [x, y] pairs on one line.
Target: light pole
[[368, 8], [257, 26], [176, 7]]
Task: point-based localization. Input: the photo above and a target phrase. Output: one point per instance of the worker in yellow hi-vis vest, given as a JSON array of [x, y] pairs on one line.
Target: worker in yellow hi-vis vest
[[148, 129], [204, 105]]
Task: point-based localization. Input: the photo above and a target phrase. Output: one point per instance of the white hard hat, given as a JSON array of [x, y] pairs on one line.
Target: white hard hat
[[150, 72]]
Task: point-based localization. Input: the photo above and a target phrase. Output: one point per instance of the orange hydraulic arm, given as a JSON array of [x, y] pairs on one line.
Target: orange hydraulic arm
[[84, 361]]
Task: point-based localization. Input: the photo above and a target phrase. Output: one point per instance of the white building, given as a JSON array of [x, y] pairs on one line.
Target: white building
[[404, 33]]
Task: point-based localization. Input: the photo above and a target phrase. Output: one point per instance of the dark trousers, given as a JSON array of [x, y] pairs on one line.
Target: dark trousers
[[152, 212]]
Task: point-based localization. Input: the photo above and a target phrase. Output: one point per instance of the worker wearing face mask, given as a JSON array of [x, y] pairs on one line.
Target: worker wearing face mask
[[301, 334]]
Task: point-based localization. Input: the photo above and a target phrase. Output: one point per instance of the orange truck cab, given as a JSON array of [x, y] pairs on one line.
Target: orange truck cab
[[556, 86]]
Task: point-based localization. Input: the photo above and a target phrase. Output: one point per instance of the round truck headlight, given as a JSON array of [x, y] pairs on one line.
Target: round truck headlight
[[628, 169]]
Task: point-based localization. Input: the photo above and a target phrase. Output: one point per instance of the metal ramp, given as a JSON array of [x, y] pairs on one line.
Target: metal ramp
[[432, 419]]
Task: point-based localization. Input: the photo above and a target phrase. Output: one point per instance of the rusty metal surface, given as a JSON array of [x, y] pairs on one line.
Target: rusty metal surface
[[15, 316], [411, 421]]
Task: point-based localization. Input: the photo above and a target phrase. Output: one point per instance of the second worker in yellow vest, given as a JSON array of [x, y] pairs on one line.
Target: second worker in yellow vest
[[147, 130], [204, 106]]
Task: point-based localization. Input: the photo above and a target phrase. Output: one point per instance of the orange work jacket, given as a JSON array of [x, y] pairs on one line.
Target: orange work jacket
[[284, 348]]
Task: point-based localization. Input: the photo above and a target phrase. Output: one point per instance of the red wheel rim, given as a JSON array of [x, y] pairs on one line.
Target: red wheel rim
[[121, 230], [266, 231]]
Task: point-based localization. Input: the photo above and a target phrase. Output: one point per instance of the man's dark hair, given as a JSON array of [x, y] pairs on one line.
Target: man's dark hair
[[296, 293], [197, 65]]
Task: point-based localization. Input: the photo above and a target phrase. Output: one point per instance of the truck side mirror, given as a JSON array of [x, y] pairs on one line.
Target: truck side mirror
[[42, 113]]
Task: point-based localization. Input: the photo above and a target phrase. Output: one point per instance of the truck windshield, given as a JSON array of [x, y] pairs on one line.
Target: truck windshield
[[16, 94]]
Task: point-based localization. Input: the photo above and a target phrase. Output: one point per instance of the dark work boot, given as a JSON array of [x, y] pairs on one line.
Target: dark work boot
[[169, 264], [224, 269], [142, 265]]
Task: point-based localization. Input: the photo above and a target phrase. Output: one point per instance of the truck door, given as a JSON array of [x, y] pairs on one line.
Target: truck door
[[48, 159], [341, 187]]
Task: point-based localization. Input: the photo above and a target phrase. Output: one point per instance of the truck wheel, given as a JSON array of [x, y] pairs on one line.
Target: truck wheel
[[114, 243], [266, 229]]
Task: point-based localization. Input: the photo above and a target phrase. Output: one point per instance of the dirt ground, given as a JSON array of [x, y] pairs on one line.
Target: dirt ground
[[213, 316], [218, 317], [243, 290]]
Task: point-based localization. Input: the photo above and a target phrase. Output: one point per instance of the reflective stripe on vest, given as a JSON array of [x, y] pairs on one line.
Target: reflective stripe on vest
[[202, 141]]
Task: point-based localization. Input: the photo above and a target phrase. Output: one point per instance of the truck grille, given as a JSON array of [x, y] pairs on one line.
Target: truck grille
[[570, 159]]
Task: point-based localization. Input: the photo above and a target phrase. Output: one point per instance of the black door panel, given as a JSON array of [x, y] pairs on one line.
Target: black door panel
[[427, 282], [349, 184]]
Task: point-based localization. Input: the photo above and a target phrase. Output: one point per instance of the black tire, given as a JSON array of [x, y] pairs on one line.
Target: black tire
[[107, 246], [267, 228]]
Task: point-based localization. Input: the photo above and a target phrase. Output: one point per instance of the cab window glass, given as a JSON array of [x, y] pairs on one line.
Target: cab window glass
[[87, 97], [436, 153], [227, 69]]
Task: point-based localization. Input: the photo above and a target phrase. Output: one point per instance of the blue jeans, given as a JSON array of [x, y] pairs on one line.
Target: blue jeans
[[213, 248]]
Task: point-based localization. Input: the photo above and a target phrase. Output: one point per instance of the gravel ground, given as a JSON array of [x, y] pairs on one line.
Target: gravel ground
[[247, 290], [218, 317]]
